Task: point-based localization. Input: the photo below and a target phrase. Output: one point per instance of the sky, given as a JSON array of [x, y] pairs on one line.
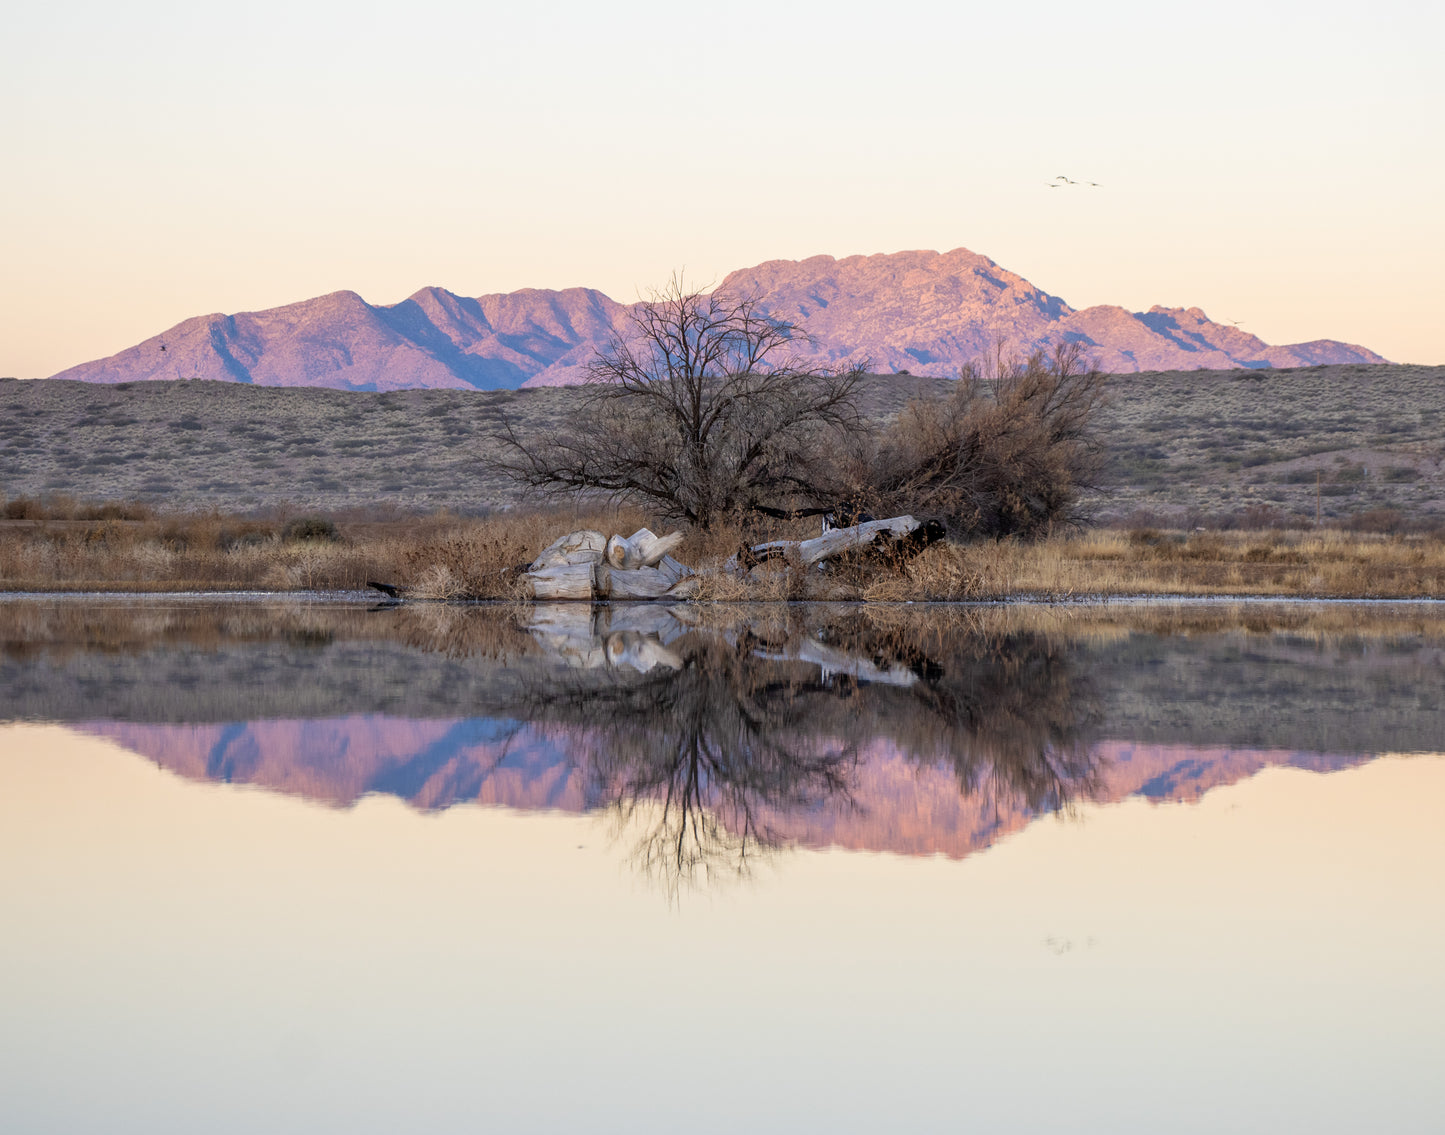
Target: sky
[[1279, 164]]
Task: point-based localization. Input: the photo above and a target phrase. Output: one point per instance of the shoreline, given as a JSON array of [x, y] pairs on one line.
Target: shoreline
[[346, 598], [445, 557]]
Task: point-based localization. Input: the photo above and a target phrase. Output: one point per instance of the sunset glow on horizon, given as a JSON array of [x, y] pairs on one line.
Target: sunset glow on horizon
[[1277, 165]]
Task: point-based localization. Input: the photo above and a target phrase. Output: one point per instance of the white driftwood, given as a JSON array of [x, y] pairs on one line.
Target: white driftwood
[[640, 583], [836, 540], [585, 565], [561, 581], [641, 652], [582, 547], [641, 549]]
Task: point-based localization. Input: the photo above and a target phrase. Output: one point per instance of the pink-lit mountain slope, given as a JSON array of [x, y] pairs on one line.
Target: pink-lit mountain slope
[[925, 312], [434, 339], [930, 312]]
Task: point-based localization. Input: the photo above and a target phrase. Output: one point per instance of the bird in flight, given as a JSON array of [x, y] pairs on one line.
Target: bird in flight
[[1061, 181], [1236, 322]]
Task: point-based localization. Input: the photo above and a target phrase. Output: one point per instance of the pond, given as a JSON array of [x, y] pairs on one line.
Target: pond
[[307, 866]]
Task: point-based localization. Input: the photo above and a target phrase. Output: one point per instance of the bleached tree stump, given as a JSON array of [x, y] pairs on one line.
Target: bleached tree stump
[[561, 581], [641, 549], [582, 547], [586, 565]]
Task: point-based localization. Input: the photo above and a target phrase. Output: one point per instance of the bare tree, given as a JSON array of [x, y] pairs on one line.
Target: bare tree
[[701, 408]]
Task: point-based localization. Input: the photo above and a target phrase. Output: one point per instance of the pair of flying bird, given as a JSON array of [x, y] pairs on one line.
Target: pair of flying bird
[[1061, 181]]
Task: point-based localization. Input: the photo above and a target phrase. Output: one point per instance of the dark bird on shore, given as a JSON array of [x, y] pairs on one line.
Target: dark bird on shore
[[163, 346]]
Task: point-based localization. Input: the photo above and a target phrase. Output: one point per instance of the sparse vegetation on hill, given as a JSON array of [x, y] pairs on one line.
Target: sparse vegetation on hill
[[1182, 449], [165, 485]]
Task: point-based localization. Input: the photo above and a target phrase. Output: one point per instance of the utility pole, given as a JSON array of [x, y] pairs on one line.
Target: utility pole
[[1317, 498]]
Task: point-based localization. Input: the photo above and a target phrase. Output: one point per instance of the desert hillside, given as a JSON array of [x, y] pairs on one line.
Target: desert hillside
[[1350, 438]]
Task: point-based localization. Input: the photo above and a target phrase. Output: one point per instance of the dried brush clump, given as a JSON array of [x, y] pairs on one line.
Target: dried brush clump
[[1008, 451]]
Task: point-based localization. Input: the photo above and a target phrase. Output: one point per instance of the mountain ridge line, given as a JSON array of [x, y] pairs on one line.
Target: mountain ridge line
[[923, 312]]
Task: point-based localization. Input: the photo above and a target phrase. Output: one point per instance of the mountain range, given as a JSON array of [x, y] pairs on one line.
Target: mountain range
[[924, 312]]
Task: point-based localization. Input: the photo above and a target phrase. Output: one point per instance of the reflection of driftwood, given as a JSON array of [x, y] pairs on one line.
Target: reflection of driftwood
[[832, 661], [588, 638], [586, 565]]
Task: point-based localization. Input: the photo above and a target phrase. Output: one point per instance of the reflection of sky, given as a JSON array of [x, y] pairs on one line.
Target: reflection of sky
[[184, 956], [1273, 163]]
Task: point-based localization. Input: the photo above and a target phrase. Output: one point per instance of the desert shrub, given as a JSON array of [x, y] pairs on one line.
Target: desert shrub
[[1260, 457], [315, 528], [1396, 474], [244, 535], [115, 510], [1007, 452], [24, 508], [1386, 520]]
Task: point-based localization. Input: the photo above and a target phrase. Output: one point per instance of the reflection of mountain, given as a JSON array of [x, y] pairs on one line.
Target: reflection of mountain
[[726, 730], [895, 805]]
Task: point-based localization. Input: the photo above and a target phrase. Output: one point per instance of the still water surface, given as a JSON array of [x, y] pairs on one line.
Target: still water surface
[[316, 868]]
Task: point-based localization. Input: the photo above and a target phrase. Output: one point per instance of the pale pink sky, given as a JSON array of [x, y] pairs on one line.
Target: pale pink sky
[[1278, 164]]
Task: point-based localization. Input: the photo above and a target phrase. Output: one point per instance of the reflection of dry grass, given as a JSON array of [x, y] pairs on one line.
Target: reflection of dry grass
[[64, 627], [934, 626]]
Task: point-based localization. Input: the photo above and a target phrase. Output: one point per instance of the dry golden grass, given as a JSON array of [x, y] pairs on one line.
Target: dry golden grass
[[443, 557], [447, 557], [1324, 564]]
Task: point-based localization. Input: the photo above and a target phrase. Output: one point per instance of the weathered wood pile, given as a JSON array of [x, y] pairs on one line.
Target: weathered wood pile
[[588, 565]]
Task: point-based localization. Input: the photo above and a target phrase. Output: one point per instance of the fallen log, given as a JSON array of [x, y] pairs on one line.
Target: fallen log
[[836, 541]]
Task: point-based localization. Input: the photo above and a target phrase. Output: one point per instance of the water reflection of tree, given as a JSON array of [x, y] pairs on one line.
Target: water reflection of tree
[[696, 758], [1011, 713], [745, 728]]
